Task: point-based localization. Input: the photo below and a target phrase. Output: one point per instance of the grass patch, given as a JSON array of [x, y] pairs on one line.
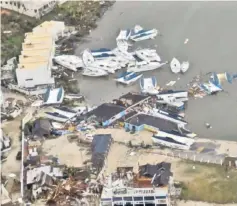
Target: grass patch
[[210, 183]]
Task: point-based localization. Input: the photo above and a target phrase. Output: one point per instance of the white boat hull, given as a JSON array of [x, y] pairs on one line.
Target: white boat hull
[[94, 73], [184, 67], [69, 61], [170, 144], [165, 115], [147, 67], [123, 81], [151, 34], [175, 66]]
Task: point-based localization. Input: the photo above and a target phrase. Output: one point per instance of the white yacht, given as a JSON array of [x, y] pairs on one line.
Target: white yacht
[[70, 62]]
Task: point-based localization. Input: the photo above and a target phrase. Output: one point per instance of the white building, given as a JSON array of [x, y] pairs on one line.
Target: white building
[[31, 8], [38, 49], [126, 189]]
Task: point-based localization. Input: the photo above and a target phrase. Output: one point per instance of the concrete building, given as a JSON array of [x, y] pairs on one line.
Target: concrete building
[[125, 188], [31, 8], [38, 49]]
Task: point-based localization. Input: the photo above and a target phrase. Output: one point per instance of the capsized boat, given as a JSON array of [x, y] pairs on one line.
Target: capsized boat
[[139, 34], [148, 85], [128, 77], [175, 66], [124, 35], [93, 72], [184, 67], [210, 88], [70, 62]]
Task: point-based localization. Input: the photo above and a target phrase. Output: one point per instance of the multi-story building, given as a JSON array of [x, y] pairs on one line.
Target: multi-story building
[[31, 8], [38, 49], [126, 189]]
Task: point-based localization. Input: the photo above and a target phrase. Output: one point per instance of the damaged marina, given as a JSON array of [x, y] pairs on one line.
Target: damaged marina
[[125, 150]]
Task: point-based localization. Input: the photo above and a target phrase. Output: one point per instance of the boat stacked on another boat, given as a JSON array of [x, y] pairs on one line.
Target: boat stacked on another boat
[[128, 77], [70, 62], [148, 85]]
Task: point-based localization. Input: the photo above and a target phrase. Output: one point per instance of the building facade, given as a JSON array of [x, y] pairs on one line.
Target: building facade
[[35, 9], [136, 196], [38, 49]]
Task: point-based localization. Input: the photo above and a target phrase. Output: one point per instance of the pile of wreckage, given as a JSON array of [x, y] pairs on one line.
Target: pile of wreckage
[[45, 178], [213, 86], [11, 108]]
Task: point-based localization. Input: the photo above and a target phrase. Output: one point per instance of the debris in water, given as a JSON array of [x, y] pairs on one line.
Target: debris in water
[[186, 41]]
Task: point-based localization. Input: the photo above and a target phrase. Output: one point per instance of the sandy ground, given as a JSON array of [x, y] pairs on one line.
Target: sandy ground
[[12, 128], [68, 153], [228, 147]]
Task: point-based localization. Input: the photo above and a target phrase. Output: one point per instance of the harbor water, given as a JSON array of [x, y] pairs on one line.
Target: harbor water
[[211, 31]]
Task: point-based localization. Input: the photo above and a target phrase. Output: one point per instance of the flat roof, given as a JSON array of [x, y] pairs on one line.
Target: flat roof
[[37, 52], [36, 35], [36, 46], [29, 59], [141, 119], [32, 65], [106, 111]]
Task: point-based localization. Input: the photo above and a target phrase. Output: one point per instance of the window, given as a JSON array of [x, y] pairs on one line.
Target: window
[[127, 198], [6, 2], [14, 3], [10, 2], [149, 198], [35, 10], [138, 198], [29, 79], [117, 199]]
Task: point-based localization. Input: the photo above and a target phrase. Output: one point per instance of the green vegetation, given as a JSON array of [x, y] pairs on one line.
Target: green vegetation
[[210, 183], [81, 14]]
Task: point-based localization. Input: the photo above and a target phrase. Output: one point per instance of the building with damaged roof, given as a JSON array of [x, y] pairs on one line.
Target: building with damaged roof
[[149, 187], [108, 113]]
